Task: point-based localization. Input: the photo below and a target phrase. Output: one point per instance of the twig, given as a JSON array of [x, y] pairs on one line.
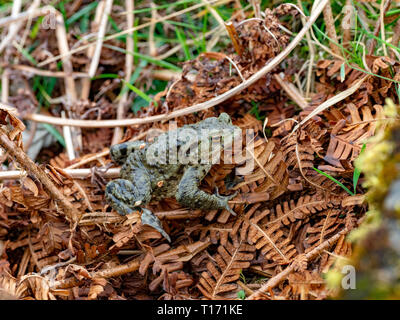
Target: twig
[[66, 62], [14, 27], [194, 108], [382, 26], [214, 13], [256, 7], [73, 173], [108, 273], [21, 157], [372, 43], [118, 132], [100, 38], [70, 90], [330, 102], [395, 38], [45, 73], [5, 83], [152, 46], [165, 74], [89, 159], [330, 27], [234, 37], [68, 139], [292, 92], [345, 27], [274, 281]]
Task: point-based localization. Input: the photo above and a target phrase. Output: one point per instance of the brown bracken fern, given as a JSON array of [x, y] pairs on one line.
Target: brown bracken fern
[[218, 282]]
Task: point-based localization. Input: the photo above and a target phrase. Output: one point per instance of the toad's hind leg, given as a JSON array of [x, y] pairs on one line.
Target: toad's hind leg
[[189, 194], [133, 191], [122, 195]]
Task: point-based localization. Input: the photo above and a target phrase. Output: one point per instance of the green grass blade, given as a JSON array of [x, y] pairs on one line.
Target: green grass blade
[[139, 92], [53, 131], [36, 28], [169, 5], [335, 181], [27, 55], [160, 63], [106, 76], [182, 39], [81, 13]]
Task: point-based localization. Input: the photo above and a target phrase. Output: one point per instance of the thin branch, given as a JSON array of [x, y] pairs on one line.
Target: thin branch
[[152, 46], [5, 85], [234, 37], [73, 173], [330, 27], [14, 27], [62, 41], [274, 281], [395, 38], [69, 145], [107, 273], [346, 29], [330, 102], [292, 92], [214, 13], [372, 42], [45, 73]]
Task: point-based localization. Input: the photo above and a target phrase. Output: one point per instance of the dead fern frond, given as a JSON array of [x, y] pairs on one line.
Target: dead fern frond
[[346, 139], [306, 206], [327, 223], [270, 174], [218, 281], [272, 241]]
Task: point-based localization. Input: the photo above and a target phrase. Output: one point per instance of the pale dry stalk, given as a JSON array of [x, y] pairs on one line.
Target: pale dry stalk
[[118, 131], [86, 82], [100, 38]]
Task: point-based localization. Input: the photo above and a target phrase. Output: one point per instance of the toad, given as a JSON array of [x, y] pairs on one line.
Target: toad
[[173, 165]]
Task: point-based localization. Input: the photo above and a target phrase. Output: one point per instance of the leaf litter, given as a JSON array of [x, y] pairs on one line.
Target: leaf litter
[[288, 215]]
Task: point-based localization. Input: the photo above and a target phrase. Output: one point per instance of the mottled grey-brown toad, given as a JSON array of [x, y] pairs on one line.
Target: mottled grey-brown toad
[[171, 166]]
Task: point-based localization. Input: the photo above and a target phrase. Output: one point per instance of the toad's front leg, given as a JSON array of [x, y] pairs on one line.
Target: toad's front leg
[[189, 194]]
